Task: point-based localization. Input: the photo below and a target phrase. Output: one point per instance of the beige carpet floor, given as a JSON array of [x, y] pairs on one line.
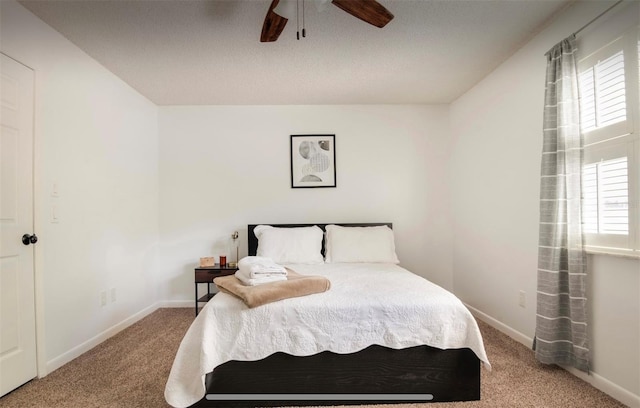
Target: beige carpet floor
[[130, 370]]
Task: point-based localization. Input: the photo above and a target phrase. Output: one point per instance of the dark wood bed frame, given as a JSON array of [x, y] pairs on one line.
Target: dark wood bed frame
[[374, 375]]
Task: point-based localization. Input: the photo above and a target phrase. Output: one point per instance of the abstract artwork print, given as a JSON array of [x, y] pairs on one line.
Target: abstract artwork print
[[313, 161]]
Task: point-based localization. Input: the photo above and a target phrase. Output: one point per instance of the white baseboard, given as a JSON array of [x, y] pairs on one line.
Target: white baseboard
[[496, 324], [625, 396], [177, 303], [75, 352]]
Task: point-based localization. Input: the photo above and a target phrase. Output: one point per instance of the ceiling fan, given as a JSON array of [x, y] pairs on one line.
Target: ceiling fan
[[369, 11]]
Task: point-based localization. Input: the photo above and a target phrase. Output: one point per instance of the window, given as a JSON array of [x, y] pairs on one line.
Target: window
[[602, 94], [609, 83], [606, 197]]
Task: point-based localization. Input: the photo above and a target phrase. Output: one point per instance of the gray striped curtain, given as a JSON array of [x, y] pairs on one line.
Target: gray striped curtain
[[561, 320]]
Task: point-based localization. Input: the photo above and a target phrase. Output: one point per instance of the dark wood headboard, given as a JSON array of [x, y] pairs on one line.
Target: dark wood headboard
[[253, 241]]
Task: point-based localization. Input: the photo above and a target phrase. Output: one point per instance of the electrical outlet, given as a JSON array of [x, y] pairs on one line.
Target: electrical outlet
[[103, 298], [113, 295], [522, 300]]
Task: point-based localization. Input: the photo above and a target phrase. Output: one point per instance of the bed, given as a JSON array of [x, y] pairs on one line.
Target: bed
[[332, 348]]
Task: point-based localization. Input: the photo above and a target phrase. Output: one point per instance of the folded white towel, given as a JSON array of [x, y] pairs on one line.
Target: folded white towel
[[243, 277], [259, 266]]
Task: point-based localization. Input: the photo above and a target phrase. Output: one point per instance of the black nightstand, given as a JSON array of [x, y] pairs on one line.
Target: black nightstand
[[205, 274]]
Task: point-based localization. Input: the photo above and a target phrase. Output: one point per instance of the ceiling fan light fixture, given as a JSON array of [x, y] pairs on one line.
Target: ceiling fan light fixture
[[281, 11], [286, 9]]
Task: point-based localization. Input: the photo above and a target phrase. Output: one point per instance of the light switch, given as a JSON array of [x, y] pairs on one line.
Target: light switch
[[54, 214], [54, 189]]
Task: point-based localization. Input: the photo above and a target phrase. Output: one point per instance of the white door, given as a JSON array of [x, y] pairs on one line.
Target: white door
[[17, 306]]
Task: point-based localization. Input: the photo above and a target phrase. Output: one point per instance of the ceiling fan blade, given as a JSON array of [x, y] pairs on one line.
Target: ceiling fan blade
[[369, 11], [273, 24]]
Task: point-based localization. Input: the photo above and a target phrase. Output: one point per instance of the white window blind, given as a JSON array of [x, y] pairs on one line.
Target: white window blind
[[602, 93], [606, 197], [609, 88]]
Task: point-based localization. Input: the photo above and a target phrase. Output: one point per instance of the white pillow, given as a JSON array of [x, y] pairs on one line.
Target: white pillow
[[360, 244], [290, 245]]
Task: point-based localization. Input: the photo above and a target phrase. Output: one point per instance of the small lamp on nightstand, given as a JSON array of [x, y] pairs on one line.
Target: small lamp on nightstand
[[235, 237]]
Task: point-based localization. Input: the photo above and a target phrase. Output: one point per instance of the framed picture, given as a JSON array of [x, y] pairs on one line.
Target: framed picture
[[313, 161]]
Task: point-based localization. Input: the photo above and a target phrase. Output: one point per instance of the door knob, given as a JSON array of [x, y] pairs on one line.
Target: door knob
[[29, 239]]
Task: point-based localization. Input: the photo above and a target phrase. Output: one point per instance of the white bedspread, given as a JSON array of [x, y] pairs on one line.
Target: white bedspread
[[367, 304]]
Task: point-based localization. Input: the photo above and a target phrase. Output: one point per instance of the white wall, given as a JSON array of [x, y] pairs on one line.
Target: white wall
[[495, 166], [222, 168], [97, 139]]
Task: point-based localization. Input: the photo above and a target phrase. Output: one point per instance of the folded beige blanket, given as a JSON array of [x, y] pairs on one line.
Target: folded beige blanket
[[296, 285]]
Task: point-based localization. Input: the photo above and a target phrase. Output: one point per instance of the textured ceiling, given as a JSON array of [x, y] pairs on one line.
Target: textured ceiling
[[186, 52]]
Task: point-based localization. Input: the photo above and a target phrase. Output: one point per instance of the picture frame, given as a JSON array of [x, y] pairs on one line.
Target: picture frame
[[313, 161]]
